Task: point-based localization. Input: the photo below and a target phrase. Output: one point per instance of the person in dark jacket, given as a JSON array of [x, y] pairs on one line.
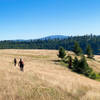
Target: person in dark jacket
[[15, 61], [21, 65]]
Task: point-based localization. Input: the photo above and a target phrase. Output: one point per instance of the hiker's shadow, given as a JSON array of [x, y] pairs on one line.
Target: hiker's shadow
[[56, 61]]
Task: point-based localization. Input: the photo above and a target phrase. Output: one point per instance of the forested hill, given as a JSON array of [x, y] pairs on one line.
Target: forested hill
[[67, 43]]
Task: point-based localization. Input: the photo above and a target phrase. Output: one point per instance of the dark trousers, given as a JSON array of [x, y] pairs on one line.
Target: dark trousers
[[22, 68]]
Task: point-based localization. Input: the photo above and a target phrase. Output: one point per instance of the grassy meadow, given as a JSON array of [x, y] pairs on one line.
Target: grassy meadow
[[44, 78]]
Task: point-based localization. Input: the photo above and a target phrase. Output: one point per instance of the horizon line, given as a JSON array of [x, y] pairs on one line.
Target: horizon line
[[48, 36]]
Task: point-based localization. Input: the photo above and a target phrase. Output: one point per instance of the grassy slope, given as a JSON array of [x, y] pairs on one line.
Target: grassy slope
[[43, 78]]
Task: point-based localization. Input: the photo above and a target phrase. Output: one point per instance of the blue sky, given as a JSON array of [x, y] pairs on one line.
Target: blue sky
[[29, 19]]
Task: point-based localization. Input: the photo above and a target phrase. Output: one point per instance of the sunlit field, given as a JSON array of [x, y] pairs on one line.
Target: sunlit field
[[44, 78]]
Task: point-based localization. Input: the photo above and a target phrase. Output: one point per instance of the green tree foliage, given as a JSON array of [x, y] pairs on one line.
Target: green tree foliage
[[77, 49], [76, 64], [62, 53], [81, 66], [89, 52], [67, 43], [93, 76]]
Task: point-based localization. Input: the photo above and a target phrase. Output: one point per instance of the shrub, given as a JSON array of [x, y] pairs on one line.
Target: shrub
[[93, 76], [75, 64], [62, 53], [81, 66]]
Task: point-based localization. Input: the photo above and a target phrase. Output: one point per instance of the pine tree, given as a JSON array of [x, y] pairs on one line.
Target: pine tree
[[84, 67], [62, 53], [77, 49], [81, 66], [89, 52], [75, 64]]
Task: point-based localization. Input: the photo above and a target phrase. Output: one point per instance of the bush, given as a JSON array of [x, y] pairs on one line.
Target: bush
[[62, 53], [88, 72], [81, 66], [75, 64], [93, 76]]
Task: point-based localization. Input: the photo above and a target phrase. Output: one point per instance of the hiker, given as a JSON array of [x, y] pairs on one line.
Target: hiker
[[21, 64], [15, 61], [70, 62]]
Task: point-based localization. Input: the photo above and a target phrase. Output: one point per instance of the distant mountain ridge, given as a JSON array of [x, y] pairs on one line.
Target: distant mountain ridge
[[51, 37], [53, 42], [54, 37]]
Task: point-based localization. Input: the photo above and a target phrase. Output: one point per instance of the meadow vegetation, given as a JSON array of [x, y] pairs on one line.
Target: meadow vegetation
[[44, 78], [77, 65]]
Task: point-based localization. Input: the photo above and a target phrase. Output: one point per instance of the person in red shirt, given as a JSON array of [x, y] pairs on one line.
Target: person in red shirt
[[21, 65]]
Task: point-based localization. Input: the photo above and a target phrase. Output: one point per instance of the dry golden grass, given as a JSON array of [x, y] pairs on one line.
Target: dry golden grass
[[95, 64], [43, 78]]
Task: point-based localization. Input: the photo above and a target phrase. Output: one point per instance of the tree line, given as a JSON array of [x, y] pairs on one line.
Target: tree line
[[68, 43], [78, 65]]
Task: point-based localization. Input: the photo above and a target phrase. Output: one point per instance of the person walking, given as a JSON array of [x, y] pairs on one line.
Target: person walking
[[15, 62], [21, 65]]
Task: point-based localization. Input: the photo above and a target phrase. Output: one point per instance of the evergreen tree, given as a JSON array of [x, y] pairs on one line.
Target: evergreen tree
[[89, 52], [81, 66], [62, 53], [75, 64], [84, 68], [77, 49]]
